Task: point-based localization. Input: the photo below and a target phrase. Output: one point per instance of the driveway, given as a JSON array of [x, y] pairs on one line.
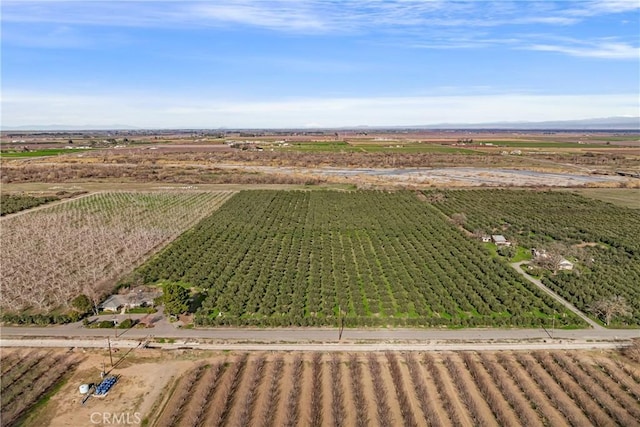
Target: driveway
[[567, 304]]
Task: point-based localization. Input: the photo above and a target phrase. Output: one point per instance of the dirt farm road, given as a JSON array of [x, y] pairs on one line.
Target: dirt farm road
[[518, 267]]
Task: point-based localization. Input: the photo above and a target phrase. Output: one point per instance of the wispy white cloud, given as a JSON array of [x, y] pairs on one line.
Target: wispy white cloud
[[602, 49], [24, 108], [278, 16], [602, 7], [310, 16], [434, 24]]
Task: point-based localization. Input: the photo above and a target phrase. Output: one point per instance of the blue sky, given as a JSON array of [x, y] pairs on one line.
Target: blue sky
[[317, 63]]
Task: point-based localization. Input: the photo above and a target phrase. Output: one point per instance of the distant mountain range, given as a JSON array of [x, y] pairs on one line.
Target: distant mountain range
[[608, 123]]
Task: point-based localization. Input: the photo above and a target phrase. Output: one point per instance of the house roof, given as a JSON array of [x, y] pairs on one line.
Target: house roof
[[137, 297], [114, 301], [498, 238]]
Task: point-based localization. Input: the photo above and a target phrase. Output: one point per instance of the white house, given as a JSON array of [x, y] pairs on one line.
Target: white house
[[565, 265], [500, 240]]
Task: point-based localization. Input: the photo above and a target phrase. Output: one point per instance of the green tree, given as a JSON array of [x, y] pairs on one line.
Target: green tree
[[82, 303], [126, 324], [176, 298]]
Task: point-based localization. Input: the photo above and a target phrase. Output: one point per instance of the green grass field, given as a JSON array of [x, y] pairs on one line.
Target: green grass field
[[41, 153], [626, 197], [415, 148], [540, 144]]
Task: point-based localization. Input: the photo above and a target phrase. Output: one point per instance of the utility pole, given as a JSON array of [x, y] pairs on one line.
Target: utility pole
[[110, 356], [340, 323]]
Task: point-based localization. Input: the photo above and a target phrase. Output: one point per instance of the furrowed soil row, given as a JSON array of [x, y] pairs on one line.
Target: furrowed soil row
[[590, 408], [9, 362], [469, 394], [621, 377], [35, 392], [203, 395], [338, 413], [251, 394], [555, 393], [406, 410], [633, 374], [595, 391], [273, 393], [530, 388], [235, 376], [448, 396], [500, 407], [385, 418], [510, 391], [315, 417], [19, 370], [292, 413], [610, 387], [174, 410], [359, 399], [509, 388], [431, 411]]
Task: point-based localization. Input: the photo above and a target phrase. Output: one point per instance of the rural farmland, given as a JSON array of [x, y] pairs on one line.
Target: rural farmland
[[410, 389], [363, 213], [27, 376], [52, 255], [311, 258], [200, 388], [602, 238]]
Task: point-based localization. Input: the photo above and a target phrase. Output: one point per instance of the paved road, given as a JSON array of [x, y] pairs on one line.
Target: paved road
[[323, 347], [538, 283], [301, 337], [323, 335]]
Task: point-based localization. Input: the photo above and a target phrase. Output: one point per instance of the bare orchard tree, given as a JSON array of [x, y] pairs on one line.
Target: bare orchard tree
[[550, 256], [51, 256], [459, 219], [633, 351], [436, 197], [549, 261], [479, 233], [610, 307]]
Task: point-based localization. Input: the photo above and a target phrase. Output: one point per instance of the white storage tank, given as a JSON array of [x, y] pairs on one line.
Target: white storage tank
[[84, 388]]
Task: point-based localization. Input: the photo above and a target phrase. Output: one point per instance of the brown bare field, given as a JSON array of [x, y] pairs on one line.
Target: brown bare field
[[292, 168], [27, 377], [197, 388], [469, 388]]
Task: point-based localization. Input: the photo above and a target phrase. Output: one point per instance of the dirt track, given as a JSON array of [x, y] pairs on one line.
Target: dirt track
[[518, 267]]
